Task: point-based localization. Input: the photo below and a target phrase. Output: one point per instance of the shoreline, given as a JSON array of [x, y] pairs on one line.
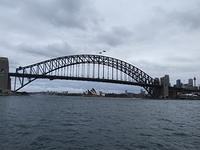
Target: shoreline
[[96, 96]]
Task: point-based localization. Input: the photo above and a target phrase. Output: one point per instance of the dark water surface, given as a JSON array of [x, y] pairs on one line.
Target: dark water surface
[[73, 123]]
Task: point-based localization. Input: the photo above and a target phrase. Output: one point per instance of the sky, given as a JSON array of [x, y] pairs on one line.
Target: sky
[[158, 36]]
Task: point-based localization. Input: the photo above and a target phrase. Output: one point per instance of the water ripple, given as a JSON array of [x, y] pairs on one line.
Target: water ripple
[[80, 123]]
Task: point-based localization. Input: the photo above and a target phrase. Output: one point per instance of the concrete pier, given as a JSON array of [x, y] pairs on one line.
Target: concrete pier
[[4, 75]]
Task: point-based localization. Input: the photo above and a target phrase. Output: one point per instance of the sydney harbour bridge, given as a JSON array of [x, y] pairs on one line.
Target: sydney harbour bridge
[[97, 68]]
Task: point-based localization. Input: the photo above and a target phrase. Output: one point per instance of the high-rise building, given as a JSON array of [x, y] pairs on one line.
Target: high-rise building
[[195, 81], [178, 83], [165, 82], [190, 82]]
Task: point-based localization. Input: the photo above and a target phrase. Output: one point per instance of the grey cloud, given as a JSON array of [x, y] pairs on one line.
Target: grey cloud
[[186, 18], [165, 23], [183, 60], [77, 14], [47, 50], [114, 37], [61, 13], [9, 3]]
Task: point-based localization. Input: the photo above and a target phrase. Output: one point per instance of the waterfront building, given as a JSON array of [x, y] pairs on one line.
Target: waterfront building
[[92, 92], [178, 83], [195, 81], [165, 82], [190, 82]]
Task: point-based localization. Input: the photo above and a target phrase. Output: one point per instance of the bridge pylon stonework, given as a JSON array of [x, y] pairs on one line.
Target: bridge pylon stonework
[[4, 75]]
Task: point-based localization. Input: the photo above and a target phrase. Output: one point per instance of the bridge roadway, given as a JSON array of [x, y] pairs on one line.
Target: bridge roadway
[[54, 77]]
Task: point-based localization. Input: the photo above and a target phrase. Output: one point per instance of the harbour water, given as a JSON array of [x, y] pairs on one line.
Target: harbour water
[[89, 123]]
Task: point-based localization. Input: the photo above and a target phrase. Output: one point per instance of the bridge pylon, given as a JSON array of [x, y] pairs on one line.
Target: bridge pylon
[[5, 85]]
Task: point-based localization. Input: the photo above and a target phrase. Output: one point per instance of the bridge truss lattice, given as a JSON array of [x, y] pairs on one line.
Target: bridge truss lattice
[[85, 67]]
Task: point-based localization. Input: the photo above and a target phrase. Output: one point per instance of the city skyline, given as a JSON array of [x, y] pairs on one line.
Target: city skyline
[[160, 37]]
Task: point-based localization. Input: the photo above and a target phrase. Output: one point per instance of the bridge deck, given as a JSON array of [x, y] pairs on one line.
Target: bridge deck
[[53, 77]]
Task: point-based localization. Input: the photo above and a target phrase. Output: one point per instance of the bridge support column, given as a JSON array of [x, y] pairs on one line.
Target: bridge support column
[[5, 83]]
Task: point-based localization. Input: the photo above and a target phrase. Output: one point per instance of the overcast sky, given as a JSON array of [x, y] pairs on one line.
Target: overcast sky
[[159, 36]]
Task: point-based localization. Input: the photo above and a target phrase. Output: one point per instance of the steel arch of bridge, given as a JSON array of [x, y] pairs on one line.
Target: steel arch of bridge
[[44, 68]]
